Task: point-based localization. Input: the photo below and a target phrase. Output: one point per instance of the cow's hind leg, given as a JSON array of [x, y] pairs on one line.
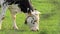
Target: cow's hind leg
[[4, 6]]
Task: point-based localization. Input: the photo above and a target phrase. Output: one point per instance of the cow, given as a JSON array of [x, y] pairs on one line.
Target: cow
[[25, 6]]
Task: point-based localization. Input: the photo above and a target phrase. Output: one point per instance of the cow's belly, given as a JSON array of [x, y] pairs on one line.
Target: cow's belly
[[14, 8]]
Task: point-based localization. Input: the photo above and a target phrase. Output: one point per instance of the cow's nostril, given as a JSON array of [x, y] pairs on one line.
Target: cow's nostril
[[35, 30]]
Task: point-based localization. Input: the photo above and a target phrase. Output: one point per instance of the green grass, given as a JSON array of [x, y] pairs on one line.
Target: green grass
[[49, 19]]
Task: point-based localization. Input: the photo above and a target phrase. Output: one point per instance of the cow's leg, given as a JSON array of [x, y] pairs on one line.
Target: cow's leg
[[14, 21], [13, 14], [27, 14], [3, 10], [26, 17]]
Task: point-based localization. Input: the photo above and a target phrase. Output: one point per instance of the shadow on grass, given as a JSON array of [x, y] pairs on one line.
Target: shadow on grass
[[43, 32], [0, 6], [20, 30], [47, 15]]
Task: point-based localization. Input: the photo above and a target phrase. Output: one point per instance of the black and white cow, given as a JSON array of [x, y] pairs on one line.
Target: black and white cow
[[32, 15]]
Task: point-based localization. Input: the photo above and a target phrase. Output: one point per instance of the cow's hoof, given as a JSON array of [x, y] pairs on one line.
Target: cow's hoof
[[16, 28], [0, 26]]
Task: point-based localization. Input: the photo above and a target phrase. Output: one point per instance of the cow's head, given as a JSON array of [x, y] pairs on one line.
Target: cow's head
[[33, 20]]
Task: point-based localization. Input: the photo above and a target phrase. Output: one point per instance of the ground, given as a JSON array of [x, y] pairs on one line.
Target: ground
[[49, 19]]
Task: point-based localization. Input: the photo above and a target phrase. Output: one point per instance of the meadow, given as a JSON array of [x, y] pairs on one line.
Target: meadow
[[49, 19]]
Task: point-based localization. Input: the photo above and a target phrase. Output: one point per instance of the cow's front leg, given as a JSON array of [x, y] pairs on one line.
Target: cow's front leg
[[14, 21], [26, 17], [13, 11]]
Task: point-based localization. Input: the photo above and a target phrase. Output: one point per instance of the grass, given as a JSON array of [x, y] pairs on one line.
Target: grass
[[49, 19]]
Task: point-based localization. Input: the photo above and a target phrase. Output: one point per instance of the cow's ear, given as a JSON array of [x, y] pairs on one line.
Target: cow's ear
[[30, 12], [38, 12]]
